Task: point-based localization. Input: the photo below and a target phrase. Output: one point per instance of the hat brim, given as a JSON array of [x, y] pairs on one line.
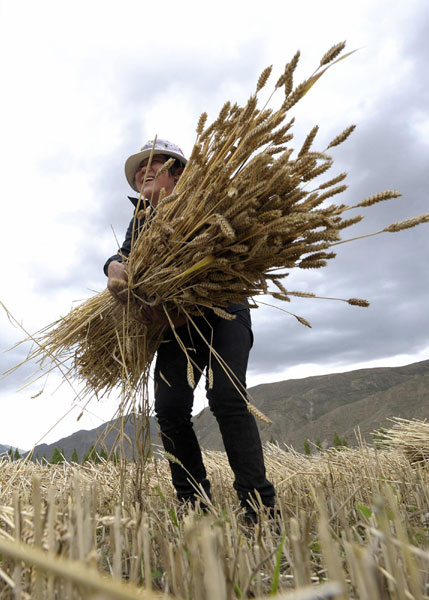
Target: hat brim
[[132, 163]]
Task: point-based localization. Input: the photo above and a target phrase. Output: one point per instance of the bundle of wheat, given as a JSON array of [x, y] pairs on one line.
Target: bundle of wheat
[[242, 212], [407, 435]]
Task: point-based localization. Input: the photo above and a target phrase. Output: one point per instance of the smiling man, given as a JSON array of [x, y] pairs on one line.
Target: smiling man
[[232, 340], [137, 173], [141, 171]]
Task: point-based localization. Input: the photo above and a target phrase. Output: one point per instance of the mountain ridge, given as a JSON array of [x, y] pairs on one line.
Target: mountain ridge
[[316, 407], [312, 408]]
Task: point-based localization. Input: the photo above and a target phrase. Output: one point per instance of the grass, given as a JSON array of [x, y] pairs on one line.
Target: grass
[[354, 524]]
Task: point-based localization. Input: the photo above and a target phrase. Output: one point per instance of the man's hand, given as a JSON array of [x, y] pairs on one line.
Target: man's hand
[[152, 315], [117, 284], [155, 315]]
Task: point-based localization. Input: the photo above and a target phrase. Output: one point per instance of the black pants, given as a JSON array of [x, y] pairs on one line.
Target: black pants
[[174, 397]]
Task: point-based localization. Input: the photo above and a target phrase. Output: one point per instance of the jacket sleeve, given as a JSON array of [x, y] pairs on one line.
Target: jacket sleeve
[[125, 249]]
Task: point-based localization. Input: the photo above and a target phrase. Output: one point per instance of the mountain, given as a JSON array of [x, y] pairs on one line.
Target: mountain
[[5, 450], [83, 440], [315, 408], [312, 408]]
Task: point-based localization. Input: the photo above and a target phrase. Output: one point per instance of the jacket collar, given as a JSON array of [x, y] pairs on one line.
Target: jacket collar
[[143, 204]]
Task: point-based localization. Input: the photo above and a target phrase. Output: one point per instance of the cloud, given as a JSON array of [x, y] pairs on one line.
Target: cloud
[[385, 152], [84, 94], [340, 334], [10, 358]]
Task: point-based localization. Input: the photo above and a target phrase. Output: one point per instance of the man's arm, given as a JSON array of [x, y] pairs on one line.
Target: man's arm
[[117, 284], [124, 251]]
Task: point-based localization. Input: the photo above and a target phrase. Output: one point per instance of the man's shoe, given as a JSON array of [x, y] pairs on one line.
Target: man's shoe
[[271, 513]]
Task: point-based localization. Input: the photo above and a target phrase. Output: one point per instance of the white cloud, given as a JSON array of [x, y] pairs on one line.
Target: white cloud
[[85, 84]]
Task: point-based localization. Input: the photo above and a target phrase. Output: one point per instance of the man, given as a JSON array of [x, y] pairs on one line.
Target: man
[[232, 340]]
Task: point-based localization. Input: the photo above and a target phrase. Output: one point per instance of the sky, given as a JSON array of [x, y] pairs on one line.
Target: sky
[[85, 84]]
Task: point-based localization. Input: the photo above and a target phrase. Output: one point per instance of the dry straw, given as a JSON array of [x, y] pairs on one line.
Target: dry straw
[[408, 436], [353, 524], [242, 214]]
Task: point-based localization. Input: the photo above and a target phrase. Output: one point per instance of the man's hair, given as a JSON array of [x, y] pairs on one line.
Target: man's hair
[[175, 166]]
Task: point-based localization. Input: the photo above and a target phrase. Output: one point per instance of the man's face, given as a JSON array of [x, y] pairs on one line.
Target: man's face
[[152, 186]]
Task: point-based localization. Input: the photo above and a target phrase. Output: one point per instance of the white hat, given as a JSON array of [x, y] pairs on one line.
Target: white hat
[[160, 147]]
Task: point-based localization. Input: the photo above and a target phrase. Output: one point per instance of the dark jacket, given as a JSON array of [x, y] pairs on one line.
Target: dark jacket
[[125, 249]]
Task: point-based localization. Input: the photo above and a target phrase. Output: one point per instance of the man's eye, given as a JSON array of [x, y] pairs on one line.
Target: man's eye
[[158, 161]]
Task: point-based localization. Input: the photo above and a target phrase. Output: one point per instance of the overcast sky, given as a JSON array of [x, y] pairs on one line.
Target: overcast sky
[[85, 84]]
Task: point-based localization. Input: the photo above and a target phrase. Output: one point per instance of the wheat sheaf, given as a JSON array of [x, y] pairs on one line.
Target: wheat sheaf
[[247, 209]]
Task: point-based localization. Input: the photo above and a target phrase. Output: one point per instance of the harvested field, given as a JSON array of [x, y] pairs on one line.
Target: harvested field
[[354, 524]]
